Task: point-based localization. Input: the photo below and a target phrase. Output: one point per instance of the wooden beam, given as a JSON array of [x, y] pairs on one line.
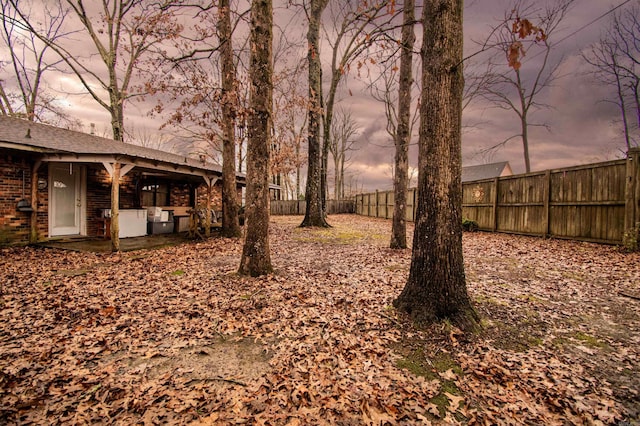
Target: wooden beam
[[126, 168], [210, 180], [109, 168], [33, 229]]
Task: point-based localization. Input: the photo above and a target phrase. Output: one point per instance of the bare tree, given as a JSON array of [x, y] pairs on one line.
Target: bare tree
[[230, 221], [314, 215], [290, 116], [403, 133], [29, 60], [358, 25], [256, 257], [143, 137], [436, 287], [515, 81], [616, 62], [341, 145]]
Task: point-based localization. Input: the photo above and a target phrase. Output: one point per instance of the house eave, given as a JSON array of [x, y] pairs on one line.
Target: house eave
[[141, 163]]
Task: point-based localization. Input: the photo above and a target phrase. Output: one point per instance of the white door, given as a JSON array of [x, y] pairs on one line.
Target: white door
[[66, 199]]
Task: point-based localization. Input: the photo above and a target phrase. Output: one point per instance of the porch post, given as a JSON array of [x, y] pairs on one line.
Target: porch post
[[209, 181], [207, 231], [33, 230], [115, 207]]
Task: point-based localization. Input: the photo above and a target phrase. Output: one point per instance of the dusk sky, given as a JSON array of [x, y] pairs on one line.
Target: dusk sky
[[582, 127]]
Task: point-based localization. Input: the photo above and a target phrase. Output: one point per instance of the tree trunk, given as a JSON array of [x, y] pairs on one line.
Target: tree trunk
[[524, 108], [525, 145], [336, 177], [298, 161], [341, 180], [256, 257], [403, 131], [117, 125], [230, 222], [436, 287], [314, 215]]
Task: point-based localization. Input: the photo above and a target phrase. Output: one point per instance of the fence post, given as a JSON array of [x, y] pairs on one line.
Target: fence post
[[495, 204], [632, 197], [376, 205], [415, 203], [386, 205], [547, 199]]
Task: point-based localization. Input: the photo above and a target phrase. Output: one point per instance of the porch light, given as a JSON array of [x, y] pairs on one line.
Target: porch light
[[24, 205]]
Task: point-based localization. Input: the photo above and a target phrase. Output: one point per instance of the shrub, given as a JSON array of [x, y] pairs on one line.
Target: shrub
[[469, 225], [630, 238]]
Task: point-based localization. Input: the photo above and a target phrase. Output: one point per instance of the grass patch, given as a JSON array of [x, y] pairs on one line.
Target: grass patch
[[441, 400], [444, 361], [329, 236], [482, 299], [583, 338], [74, 272], [419, 365], [517, 338], [414, 367], [531, 298], [177, 272], [589, 340], [573, 276], [559, 342], [396, 268]]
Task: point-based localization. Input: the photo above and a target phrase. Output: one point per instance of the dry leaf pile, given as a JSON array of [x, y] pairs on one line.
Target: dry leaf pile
[[176, 336]]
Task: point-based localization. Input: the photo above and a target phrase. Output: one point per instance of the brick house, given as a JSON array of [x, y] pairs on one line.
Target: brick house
[[68, 175]]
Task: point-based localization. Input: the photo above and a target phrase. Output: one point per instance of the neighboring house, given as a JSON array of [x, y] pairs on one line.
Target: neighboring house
[[68, 175], [486, 171]]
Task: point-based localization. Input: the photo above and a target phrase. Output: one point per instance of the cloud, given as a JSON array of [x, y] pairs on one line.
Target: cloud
[[582, 127]]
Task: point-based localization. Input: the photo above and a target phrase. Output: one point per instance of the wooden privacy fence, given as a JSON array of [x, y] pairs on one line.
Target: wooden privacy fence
[[596, 202], [299, 207]]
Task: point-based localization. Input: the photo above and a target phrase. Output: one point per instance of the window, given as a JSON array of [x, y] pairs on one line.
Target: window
[[155, 194]]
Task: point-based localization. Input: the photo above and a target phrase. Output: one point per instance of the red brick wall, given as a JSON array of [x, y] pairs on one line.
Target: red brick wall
[[216, 196], [180, 195], [98, 197], [14, 225]]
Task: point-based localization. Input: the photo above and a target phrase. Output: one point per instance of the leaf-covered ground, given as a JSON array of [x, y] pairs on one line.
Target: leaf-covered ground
[[175, 336]]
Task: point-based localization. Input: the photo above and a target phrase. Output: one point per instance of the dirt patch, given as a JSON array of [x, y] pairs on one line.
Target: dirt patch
[[224, 362]]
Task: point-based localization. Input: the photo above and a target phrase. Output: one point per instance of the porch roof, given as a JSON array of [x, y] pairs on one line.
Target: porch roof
[[51, 143]]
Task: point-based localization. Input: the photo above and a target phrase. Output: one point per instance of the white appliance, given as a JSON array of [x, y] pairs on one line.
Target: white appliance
[[133, 223]]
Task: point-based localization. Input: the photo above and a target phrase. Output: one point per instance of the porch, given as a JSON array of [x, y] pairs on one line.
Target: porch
[[101, 245]]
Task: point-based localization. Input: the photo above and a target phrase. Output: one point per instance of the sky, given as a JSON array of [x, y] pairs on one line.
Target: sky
[[581, 127]]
